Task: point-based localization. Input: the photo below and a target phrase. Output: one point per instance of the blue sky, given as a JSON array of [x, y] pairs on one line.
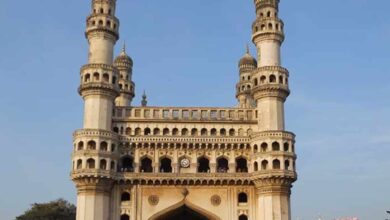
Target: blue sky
[[337, 53]]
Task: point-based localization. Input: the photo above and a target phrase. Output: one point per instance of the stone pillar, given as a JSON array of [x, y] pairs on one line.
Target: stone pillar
[[273, 202], [93, 199]]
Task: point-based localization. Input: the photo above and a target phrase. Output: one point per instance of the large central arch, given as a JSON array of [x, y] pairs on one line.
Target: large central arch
[[184, 211]]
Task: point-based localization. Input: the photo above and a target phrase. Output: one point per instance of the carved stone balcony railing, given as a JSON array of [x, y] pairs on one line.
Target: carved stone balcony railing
[[186, 140], [94, 133], [273, 134], [188, 178], [190, 114]]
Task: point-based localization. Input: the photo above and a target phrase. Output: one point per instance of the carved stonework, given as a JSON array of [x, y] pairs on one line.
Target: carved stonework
[[153, 200], [216, 200]]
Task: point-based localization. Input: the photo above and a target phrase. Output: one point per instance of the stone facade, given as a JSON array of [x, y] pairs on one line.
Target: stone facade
[[159, 163]]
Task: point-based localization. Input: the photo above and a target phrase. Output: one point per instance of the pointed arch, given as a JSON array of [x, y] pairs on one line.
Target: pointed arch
[[160, 215]]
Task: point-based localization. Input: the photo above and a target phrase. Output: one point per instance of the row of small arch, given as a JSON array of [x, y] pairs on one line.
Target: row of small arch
[[166, 165], [263, 80], [101, 11], [184, 132], [91, 145], [97, 77], [270, 26], [275, 146], [268, 14]]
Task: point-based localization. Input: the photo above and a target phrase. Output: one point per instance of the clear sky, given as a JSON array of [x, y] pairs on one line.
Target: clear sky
[[186, 54]]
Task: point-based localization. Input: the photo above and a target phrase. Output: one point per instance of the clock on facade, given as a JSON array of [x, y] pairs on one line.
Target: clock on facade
[[185, 163]]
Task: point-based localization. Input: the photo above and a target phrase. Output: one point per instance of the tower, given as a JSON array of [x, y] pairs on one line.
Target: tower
[[155, 163], [273, 146], [95, 152], [243, 89], [127, 87]]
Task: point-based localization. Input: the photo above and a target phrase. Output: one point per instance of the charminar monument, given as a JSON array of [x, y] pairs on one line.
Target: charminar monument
[[183, 163]]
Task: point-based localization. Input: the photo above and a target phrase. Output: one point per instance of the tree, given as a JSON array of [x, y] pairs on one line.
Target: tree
[[55, 210]]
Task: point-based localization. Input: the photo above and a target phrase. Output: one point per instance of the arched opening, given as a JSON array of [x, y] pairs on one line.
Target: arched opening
[[182, 213], [103, 164], [156, 131], [80, 146], [255, 166], [256, 82], [194, 132], [276, 164], [203, 165], [243, 217], [125, 217], [264, 147], [281, 79], [96, 77], [255, 148], [125, 197], [232, 132], [137, 131], [275, 146], [165, 131], [286, 147], [87, 78], [213, 132], [263, 79], [146, 165], [91, 145], [241, 165], [242, 198], [112, 147], [222, 132], [128, 131], [166, 165], [147, 131], [79, 164], [112, 166], [222, 165], [272, 79], [127, 164], [103, 146], [175, 132], [269, 26], [184, 132], [90, 163], [108, 23], [203, 132], [106, 78], [264, 165], [268, 14], [287, 165]]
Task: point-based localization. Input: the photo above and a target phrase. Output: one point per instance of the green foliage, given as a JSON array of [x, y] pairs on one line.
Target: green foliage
[[54, 210]]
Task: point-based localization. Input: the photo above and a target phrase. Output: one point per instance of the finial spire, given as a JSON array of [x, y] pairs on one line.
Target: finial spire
[[247, 48], [124, 47], [144, 101]]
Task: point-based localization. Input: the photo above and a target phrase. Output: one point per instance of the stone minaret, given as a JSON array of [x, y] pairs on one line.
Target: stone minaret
[[274, 154], [95, 146], [244, 87], [127, 87]]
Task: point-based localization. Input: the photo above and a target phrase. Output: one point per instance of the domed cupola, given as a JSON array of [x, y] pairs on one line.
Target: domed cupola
[[123, 60], [247, 61]]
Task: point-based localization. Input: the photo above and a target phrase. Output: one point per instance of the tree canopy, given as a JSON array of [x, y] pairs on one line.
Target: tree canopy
[[55, 210]]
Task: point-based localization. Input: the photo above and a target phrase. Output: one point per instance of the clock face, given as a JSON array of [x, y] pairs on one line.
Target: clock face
[[185, 163]]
